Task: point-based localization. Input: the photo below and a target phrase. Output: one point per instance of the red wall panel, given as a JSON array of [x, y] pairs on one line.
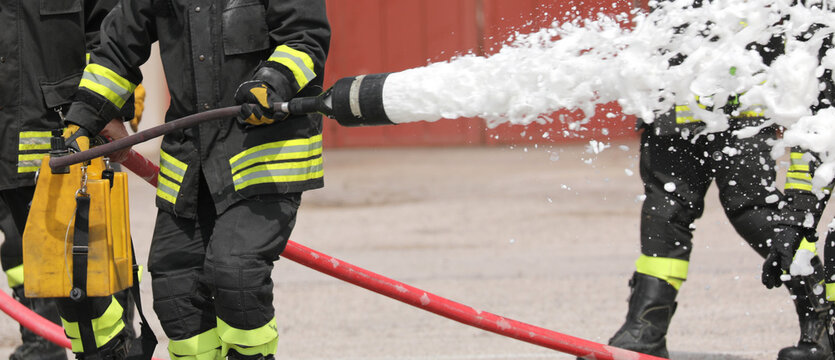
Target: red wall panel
[[373, 36]]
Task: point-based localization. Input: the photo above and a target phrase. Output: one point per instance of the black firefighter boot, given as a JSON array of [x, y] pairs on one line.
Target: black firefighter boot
[[651, 307], [35, 347], [813, 315]]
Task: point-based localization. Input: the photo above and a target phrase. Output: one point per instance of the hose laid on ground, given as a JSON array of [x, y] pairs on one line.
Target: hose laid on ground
[[383, 285]]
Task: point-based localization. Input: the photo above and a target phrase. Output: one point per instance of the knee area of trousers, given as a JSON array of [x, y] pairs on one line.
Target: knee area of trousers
[[241, 287], [179, 304]]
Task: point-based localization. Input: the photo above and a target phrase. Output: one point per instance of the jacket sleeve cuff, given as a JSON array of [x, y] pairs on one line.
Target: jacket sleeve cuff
[[278, 77], [86, 116]]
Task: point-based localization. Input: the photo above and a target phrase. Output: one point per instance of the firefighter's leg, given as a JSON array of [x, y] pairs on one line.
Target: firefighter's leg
[[248, 238], [95, 327], [182, 301], [746, 182], [674, 185], [13, 211]]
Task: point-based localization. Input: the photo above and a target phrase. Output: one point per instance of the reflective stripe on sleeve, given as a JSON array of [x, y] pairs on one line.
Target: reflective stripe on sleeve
[[297, 61], [107, 83]]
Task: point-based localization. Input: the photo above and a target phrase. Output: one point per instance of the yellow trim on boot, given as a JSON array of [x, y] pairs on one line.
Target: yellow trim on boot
[[261, 340], [673, 271], [105, 327], [205, 346]]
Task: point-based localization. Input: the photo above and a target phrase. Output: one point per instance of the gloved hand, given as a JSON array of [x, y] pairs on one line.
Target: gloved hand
[[77, 138], [780, 255], [138, 107], [256, 98]]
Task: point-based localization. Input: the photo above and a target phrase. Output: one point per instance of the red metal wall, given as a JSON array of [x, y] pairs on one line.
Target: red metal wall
[[373, 36]]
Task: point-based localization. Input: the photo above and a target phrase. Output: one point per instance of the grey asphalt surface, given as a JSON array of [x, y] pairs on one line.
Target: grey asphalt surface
[[546, 235]]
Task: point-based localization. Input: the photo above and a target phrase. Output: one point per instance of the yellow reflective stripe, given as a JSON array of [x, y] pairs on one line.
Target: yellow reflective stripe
[[105, 327], [807, 245], [799, 167], [165, 157], [42, 146], [279, 150], [167, 190], [27, 157], [263, 349], [798, 181], [279, 173], [14, 276], [174, 169], [674, 271], [195, 345], [751, 113], [107, 83], [36, 134], [27, 169], [297, 61], [684, 115], [794, 186], [799, 175], [830, 291], [29, 162], [170, 173], [276, 144], [247, 338]]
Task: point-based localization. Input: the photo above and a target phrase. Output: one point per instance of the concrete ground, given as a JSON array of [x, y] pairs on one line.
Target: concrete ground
[[544, 235]]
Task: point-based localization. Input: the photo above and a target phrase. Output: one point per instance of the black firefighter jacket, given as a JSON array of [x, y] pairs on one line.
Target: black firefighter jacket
[[208, 48], [42, 55]]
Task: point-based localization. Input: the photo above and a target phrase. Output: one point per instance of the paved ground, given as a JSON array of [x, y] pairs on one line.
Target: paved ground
[[543, 235]]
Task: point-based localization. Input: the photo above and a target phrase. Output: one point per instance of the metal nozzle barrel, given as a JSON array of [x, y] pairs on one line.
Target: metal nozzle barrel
[[358, 101], [351, 101]]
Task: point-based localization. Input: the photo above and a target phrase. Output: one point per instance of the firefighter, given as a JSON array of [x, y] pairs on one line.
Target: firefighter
[[677, 165], [42, 54], [228, 190], [797, 229]]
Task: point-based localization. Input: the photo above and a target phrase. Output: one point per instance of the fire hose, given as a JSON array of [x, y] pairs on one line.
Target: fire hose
[[349, 97]]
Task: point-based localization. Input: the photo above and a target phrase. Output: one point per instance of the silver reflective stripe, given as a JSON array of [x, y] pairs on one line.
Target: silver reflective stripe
[[354, 96], [308, 74], [278, 173]]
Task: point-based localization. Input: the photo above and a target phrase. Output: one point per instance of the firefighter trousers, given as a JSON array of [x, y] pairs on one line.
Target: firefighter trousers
[[677, 172], [212, 285]]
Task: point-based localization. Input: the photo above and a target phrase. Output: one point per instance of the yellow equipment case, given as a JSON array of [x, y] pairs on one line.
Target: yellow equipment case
[[91, 193]]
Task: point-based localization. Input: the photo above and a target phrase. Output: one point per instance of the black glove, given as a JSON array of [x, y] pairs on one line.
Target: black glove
[[780, 255], [257, 96]]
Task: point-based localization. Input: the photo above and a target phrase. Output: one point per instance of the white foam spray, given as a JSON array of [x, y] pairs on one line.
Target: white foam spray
[[625, 59]]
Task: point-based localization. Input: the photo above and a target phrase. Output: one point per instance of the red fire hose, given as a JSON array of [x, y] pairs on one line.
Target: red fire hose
[[393, 289]]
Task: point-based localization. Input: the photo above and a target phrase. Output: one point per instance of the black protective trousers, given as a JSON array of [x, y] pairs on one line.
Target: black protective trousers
[[677, 172], [218, 266], [14, 208]]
